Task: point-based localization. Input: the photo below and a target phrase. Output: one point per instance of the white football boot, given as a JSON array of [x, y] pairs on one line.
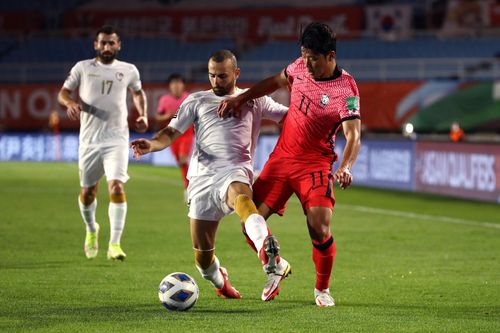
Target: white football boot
[[276, 272], [323, 298]]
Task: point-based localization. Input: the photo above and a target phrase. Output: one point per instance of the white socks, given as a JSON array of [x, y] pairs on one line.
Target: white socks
[[117, 213], [88, 214], [256, 229], [213, 274]]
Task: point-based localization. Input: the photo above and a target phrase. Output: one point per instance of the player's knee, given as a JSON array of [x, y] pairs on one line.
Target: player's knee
[[204, 258], [318, 229], [116, 192], [87, 195], [321, 232]]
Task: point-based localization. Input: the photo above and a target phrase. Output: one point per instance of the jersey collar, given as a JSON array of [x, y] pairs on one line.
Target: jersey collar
[[337, 72]]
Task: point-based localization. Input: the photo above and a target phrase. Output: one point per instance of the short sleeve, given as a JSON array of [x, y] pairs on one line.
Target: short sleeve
[[135, 81], [271, 109], [351, 106], [161, 109], [291, 69], [73, 80], [185, 116]]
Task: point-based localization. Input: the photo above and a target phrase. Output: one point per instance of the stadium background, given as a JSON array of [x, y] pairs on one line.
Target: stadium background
[[427, 63], [406, 262]]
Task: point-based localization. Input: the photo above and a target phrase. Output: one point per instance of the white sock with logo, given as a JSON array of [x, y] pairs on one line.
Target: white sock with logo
[[213, 274], [117, 213], [88, 214]]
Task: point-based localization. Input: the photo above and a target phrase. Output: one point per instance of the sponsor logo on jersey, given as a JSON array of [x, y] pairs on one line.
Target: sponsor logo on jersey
[[352, 104], [324, 99], [93, 75], [119, 76]]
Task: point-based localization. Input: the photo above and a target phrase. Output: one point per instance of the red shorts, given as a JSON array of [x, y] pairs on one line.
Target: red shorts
[[280, 178], [182, 145]]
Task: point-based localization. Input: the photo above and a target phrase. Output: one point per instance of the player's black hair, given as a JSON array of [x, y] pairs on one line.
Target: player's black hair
[[319, 38], [221, 55], [175, 76], [107, 30]]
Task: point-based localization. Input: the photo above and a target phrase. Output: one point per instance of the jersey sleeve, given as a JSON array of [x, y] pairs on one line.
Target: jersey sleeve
[[135, 81], [161, 109], [351, 106], [271, 109], [185, 116], [291, 69], [73, 80]]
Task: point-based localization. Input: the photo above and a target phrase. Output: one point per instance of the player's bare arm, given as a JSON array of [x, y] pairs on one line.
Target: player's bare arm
[[141, 104], [164, 117], [160, 141], [231, 106], [72, 108], [352, 133]]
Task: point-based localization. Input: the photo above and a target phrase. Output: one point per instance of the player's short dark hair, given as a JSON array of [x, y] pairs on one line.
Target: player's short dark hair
[[107, 30], [221, 55], [175, 77], [319, 38]]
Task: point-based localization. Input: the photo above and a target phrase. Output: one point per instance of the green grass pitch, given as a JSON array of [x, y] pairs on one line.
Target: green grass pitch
[[405, 262]]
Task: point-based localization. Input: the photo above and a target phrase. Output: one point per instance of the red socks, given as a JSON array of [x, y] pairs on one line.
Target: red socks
[[249, 241], [323, 256]]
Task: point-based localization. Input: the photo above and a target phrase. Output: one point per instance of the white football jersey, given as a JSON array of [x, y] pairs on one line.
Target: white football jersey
[[103, 93], [223, 142]]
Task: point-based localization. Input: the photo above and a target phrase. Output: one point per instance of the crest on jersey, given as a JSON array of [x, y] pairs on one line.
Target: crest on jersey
[[250, 103], [119, 76], [324, 99]]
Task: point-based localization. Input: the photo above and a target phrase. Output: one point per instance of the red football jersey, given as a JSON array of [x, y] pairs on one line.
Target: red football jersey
[[317, 110], [168, 104]]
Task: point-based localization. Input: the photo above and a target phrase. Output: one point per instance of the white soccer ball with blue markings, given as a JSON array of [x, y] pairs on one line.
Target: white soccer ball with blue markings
[[178, 292]]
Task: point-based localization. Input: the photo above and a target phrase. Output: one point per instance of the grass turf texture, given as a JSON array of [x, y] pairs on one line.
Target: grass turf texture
[[391, 274]]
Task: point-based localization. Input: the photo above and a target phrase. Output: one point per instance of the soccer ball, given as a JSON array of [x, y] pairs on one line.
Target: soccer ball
[[178, 292]]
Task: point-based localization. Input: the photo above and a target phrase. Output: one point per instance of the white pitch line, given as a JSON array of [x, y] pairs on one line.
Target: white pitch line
[[424, 217], [366, 209]]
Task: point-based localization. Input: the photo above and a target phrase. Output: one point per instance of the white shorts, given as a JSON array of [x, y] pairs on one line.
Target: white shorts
[[96, 161], [207, 193]]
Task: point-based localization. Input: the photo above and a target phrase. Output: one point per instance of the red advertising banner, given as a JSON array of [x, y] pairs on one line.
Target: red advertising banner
[[461, 170], [495, 14], [25, 21], [250, 23], [27, 107], [379, 102]]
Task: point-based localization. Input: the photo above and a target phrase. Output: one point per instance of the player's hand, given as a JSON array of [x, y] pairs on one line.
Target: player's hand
[[344, 177], [230, 107], [140, 147], [141, 124], [73, 111]]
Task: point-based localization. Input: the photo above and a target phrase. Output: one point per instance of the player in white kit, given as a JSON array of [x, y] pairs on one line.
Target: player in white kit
[[102, 85], [221, 172]]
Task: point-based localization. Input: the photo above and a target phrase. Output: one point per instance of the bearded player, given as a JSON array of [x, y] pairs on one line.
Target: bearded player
[[102, 84], [221, 173], [324, 99]]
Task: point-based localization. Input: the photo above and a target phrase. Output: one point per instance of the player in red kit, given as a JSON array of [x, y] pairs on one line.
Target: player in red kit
[[167, 107], [324, 99]]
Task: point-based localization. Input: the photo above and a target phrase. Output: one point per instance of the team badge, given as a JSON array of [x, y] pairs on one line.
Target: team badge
[[250, 103], [324, 99], [119, 76], [352, 104]]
